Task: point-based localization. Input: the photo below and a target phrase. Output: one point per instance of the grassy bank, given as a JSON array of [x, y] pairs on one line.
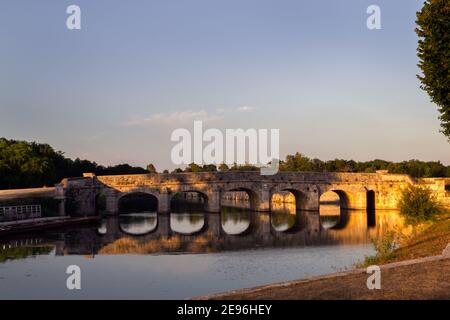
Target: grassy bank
[[429, 239]]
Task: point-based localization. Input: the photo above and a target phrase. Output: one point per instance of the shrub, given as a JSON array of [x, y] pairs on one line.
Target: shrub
[[417, 204], [384, 248]]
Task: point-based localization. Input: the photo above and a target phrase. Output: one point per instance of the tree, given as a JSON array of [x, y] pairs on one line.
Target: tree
[[223, 167], [193, 167], [151, 168], [209, 168], [433, 25]]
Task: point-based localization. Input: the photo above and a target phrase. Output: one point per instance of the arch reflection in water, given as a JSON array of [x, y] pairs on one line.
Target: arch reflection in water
[[198, 233], [283, 213], [283, 217], [138, 223], [103, 229], [235, 220], [187, 223], [330, 210]]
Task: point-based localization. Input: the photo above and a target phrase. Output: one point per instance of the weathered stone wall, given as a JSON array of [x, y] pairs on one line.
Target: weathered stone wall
[[306, 187]]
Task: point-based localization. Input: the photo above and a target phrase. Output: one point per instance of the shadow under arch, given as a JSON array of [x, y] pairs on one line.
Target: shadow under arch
[[253, 196], [300, 198], [100, 203], [370, 209], [333, 210], [299, 204], [344, 198], [137, 201], [188, 200]]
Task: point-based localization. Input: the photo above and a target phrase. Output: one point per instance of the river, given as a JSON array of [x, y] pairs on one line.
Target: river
[[188, 253]]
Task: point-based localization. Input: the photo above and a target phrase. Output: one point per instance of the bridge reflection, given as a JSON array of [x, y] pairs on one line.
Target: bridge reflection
[[229, 231]]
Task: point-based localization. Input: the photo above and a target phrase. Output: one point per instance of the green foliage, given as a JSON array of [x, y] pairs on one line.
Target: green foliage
[[384, 248], [151, 168], [415, 168], [194, 168], [223, 167], [243, 167], [24, 164], [23, 252], [418, 205], [433, 29]]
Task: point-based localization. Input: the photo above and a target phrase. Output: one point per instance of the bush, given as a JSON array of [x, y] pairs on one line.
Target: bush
[[384, 247], [418, 205]]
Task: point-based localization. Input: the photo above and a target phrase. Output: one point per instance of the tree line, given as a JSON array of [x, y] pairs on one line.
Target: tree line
[[299, 162], [29, 164]]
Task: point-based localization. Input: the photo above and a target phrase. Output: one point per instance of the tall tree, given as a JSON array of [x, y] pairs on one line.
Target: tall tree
[[151, 168], [433, 29]]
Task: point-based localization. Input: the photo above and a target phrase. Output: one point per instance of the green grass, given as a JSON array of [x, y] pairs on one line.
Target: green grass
[[430, 239]]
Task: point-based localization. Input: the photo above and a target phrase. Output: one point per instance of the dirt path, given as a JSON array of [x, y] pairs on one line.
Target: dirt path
[[421, 279]]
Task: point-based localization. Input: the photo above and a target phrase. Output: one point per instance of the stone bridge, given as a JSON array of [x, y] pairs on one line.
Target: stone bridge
[[357, 191]]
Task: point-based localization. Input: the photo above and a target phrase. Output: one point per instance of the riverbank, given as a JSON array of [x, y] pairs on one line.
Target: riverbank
[[420, 269], [7, 228], [399, 281]]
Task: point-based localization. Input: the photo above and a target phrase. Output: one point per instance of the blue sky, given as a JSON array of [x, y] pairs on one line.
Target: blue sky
[[113, 91]]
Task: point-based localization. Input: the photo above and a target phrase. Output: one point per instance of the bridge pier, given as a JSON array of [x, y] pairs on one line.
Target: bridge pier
[[265, 199], [164, 201], [355, 201], [163, 226], [62, 207], [112, 203], [213, 204], [311, 200]]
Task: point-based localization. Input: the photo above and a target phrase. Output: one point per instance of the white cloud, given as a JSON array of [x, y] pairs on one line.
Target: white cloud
[[174, 118], [245, 109]]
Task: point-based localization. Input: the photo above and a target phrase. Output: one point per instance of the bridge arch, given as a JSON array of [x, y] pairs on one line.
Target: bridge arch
[[333, 205], [350, 197], [253, 196], [190, 199], [300, 196], [137, 201]]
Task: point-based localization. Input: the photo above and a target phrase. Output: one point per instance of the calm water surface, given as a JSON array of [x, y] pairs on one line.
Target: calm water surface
[[186, 254]]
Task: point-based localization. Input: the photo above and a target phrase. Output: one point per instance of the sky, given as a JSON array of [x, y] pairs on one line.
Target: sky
[[114, 91]]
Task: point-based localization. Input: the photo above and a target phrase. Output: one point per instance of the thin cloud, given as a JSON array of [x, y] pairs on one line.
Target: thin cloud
[[245, 109], [174, 118]]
